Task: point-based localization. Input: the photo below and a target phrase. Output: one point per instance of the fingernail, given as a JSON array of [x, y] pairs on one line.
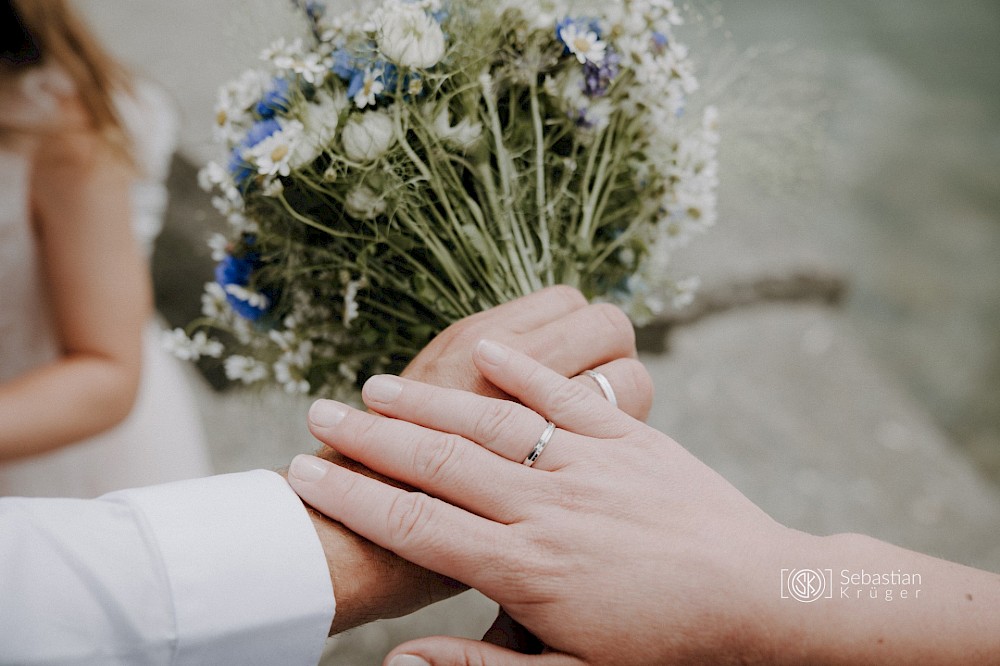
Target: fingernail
[[307, 468], [492, 352], [327, 413], [383, 388], [408, 660]]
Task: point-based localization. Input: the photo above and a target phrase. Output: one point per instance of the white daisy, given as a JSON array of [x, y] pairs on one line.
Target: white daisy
[[584, 44], [372, 86], [273, 155]]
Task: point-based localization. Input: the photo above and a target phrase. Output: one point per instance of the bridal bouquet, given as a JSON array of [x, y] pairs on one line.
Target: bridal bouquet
[[403, 166]]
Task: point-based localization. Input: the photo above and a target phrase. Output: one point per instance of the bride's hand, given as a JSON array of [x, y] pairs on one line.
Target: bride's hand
[[556, 327], [618, 546]]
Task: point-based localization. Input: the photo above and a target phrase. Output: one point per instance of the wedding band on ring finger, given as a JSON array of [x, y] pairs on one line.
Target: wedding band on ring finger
[[540, 445], [604, 385]]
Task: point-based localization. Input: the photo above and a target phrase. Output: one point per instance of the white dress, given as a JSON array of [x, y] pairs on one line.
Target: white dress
[[162, 439]]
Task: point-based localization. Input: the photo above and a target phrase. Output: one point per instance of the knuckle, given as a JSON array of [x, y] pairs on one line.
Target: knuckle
[[567, 295], [493, 422], [567, 396], [407, 519], [472, 656], [464, 337], [435, 461], [618, 325], [366, 429]]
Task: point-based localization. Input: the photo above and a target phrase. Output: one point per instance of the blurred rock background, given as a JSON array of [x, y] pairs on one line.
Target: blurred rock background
[[861, 140]]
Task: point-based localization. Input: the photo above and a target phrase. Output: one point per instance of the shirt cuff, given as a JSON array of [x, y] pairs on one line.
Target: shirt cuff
[[245, 568]]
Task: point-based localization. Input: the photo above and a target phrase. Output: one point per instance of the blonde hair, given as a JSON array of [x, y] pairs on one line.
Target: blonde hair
[[56, 35]]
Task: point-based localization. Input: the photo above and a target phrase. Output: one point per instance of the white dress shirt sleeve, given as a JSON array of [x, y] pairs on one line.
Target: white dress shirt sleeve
[[221, 570]]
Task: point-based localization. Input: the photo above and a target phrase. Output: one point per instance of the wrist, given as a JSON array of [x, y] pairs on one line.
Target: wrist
[[355, 573], [369, 582], [779, 627]]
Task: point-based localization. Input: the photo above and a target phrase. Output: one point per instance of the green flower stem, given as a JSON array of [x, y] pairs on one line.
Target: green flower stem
[[467, 292], [489, 254], [388, 309], [587, 226], [472, 254], [529, 281], [542, 226], [512, 261], [317, 225], [445, 259], [629, 233], [584, 185], [563, 192]]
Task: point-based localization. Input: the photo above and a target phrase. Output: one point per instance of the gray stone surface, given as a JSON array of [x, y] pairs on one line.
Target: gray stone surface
[[789, 406]]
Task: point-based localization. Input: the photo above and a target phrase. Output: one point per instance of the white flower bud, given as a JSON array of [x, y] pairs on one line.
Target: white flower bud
[[364, 204], [367, 136], [411, 38], [463, 134]]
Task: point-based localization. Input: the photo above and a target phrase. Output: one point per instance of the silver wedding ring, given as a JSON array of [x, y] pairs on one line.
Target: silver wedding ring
[[550, 428], [605, 385]]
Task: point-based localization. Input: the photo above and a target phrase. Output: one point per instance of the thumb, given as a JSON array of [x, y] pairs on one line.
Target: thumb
[[448, 651]]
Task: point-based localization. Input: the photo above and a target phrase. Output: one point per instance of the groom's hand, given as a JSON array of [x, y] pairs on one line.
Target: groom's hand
[[554, 326], [557, 328]]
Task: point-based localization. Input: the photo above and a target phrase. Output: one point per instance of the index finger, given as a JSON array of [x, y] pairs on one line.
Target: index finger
[[536, 309]]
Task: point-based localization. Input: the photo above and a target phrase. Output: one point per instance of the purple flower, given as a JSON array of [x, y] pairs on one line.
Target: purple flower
[[598, 78], [660, 42]]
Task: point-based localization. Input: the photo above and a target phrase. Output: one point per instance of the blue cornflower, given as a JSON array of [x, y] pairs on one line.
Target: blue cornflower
[[315, 10], [239, 168], [260, 130], [357, 82], [348, 63], [234, 273], [660, 42], [345, 64], [390, 75], [236, 270], [275, 100]]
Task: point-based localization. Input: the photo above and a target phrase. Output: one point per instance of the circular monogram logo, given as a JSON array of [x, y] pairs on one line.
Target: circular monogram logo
[[806, 584]]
